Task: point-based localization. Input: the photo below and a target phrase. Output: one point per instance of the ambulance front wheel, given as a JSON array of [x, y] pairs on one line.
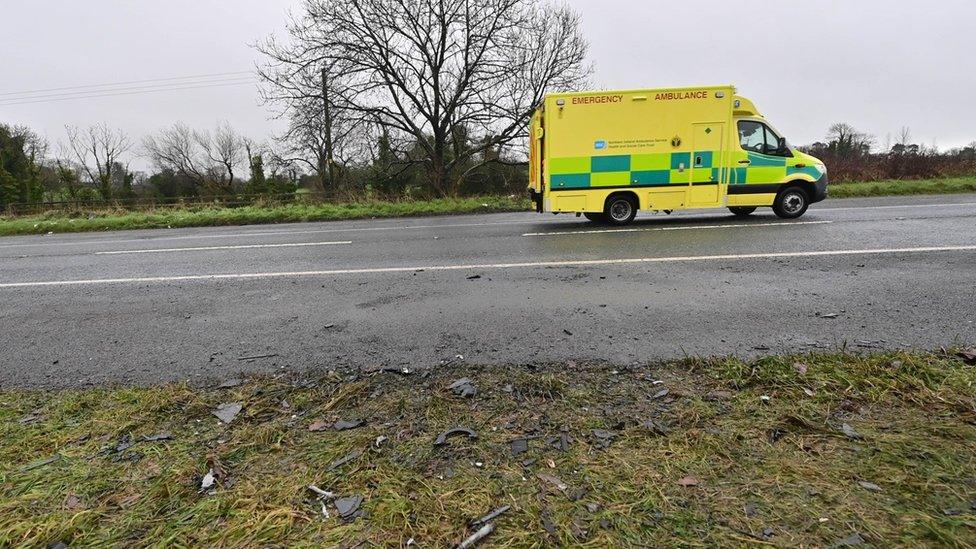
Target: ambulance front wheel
[[742, 211], [791, 203], [620, 209]]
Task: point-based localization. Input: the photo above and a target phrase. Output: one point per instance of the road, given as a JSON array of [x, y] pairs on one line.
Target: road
[[143, 307]]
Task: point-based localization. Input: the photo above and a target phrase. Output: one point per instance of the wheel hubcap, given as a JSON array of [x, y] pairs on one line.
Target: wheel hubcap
[[620, 210], [792, 203]]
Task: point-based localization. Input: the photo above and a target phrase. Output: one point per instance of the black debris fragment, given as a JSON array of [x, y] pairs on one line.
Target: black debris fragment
[[519, 446], [660, 394], [458, 431], [849, 541], [655, 427], [346, 425], [349, 507], [474, 277]]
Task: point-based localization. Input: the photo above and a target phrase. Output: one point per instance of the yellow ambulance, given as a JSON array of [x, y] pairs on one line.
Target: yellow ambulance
[[608, 154]]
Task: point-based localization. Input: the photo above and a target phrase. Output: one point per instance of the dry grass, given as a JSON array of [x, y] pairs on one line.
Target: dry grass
[[777, 471]]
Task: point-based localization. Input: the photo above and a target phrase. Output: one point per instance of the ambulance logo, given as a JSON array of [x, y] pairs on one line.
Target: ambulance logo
[[676, 141], [600, 145]]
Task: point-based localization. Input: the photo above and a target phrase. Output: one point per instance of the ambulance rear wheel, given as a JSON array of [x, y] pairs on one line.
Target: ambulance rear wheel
[[595, 217], [742, 211], [791, 203], [620, 209]]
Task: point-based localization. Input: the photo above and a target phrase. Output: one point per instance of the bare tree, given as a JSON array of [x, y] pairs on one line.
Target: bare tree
[[207, 158], [176, 149], [99, 150], [224, 149], [453, 78]]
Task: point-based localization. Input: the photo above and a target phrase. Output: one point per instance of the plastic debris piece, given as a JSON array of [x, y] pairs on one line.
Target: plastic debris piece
[[457, 431], [228, 411], [349, 507], [348, 458], [346, 425], [850, 432], [476, 537], [491, 516]]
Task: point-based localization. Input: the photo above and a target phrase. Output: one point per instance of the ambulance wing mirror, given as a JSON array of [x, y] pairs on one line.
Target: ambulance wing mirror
[[783, 148]]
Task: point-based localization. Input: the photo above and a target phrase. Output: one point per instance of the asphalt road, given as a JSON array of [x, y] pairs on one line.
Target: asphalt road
[[142, 307]]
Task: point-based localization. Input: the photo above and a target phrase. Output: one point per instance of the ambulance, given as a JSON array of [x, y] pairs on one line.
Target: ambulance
[[607, 155]]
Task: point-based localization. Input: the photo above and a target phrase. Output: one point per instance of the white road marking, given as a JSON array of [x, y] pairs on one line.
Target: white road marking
[[682, 228], [487, 266], [265, 233], [242, 247]]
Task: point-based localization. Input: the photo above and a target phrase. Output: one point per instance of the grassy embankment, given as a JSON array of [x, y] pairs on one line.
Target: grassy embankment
[[795, 451], [208, 216]]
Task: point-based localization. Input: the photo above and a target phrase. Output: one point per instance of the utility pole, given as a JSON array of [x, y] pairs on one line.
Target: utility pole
[[330, 169]]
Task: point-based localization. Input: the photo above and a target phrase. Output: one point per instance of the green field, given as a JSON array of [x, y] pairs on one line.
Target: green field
[[788, 451], [163, 218]]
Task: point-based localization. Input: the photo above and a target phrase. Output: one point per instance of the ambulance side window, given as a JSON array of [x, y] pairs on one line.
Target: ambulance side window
[[751, 136], [772, 144]]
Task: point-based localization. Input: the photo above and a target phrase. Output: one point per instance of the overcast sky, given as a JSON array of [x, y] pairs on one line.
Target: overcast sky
[[877, 64]]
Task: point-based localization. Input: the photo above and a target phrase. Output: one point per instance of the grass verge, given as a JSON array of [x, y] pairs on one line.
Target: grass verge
[[253, 215], [904, 187], [795, 451]]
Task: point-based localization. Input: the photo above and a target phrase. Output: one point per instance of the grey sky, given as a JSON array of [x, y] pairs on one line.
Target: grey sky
[[877, 64]]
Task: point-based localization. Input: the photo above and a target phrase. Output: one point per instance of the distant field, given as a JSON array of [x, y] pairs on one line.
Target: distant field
[[804, 451], [111, 220]]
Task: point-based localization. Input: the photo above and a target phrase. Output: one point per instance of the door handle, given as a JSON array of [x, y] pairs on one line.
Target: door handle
[[745, 162]]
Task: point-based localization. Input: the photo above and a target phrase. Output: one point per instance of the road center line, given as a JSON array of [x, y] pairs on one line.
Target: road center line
[[490, 266], [241, 247], [682, 228]]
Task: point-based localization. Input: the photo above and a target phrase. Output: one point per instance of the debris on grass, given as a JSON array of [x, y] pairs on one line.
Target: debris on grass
[[349, 507], [348, 458], [968, 356], [660, 394], [849, 432], [208, 481], [228, 411], [519, 446], [802, 491], [41, 463], [491, 516], [157, 437], [869, 486], [554, 481], [850, 541], [347, 425], [463, 388], [458, 431], [476, 537], [688, 482]]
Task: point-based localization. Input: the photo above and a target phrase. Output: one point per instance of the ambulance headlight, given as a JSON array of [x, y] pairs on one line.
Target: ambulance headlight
[[822, 167]]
